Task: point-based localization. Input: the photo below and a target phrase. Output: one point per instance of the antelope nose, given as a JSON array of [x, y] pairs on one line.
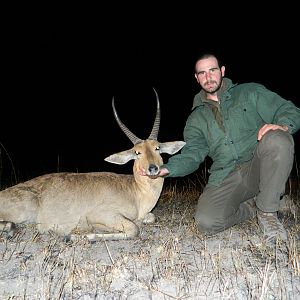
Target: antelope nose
[[153, 169]]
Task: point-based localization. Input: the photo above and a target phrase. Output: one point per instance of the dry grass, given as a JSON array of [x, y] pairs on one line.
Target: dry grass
[[170, 259]]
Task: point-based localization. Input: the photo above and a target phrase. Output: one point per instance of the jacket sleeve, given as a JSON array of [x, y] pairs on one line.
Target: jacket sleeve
[[277, 110], [193, 153]]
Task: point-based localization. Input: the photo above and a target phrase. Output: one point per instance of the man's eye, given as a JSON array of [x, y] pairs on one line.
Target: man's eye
[[214, 70]]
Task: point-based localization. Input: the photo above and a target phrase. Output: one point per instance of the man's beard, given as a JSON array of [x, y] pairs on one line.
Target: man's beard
[[213, 91]]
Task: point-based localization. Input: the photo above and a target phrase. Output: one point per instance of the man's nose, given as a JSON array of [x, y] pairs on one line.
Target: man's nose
[[207, 75]]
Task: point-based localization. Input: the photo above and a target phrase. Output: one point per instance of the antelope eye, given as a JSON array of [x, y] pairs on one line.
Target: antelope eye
[[137, 153], [157, 148]]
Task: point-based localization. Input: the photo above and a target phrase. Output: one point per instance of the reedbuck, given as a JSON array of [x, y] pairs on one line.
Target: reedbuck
[[99, 205]]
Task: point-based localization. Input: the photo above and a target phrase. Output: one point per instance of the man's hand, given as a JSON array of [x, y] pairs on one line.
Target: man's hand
[[267, 127]]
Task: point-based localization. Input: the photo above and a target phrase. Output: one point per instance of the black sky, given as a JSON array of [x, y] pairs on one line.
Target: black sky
[[63, 65]]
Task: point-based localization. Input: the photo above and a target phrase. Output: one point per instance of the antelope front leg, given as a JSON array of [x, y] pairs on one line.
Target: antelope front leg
[[117, 228]]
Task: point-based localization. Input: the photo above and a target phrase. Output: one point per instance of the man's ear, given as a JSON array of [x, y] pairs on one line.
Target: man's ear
[[223, 71]]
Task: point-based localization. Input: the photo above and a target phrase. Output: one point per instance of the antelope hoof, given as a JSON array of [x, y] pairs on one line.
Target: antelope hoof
[[149, 218], [8, 227]]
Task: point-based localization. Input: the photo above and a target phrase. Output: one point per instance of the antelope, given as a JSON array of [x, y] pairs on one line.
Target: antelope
[[97, 205]]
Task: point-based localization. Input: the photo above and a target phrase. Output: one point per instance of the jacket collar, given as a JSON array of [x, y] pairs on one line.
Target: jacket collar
[[200, 98]]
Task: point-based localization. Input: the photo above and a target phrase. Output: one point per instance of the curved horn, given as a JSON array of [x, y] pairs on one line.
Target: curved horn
[[134, 139], [154, 133]]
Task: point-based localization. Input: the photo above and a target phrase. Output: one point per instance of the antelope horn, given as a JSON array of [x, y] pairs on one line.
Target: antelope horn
[[134, 139], [154, 133]]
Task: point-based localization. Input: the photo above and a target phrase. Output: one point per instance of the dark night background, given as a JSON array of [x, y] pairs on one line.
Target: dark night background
[[63, 65]]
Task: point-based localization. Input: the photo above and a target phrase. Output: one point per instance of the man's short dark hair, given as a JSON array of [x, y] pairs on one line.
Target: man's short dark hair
[[208, 55]]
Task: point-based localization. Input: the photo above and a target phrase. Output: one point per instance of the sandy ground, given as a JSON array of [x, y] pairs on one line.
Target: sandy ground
[[169, 260]]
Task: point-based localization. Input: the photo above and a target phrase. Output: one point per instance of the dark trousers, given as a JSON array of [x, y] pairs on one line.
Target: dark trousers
[[263, 178]]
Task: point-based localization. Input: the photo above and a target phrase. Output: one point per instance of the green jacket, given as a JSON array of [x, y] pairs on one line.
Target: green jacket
[[229, 139]]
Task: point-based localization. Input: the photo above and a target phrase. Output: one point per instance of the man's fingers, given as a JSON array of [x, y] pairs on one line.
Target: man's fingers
[[268, 127]]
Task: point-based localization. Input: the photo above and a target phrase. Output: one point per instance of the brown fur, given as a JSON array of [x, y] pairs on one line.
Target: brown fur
[[85, 202]]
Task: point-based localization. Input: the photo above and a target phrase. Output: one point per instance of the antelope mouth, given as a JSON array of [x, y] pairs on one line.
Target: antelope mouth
[[153, 174]]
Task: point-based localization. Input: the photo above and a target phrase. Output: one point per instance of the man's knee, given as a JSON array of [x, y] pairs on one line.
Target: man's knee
[[278, 140]]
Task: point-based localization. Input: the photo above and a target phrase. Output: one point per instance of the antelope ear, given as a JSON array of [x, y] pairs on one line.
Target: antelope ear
[[171, 147], [121, 158]]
